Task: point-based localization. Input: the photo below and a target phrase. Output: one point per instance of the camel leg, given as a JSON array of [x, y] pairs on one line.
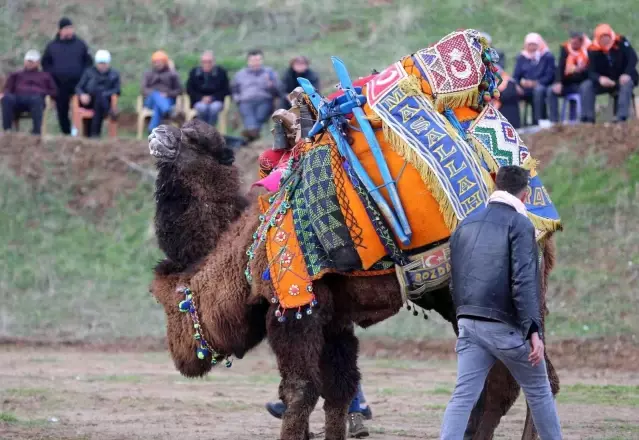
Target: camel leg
[[340, 377], [297, 345]]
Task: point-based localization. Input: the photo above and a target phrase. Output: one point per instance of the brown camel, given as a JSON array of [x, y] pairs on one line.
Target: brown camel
[[204, 228]]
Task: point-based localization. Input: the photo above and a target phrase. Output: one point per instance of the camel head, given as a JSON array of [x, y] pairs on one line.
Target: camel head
[[195, 141]]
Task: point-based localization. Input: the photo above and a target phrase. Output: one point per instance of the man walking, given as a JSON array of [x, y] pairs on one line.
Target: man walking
[[495, 287], [66, 58]]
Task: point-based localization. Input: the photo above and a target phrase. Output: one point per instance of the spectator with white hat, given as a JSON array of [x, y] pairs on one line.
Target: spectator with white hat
[[95, 89], [25, 91]]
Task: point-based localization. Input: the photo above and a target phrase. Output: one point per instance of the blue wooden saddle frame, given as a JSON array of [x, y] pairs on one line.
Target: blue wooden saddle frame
[[332, 117]]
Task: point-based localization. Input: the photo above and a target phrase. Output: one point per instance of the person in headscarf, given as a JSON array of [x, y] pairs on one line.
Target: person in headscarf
[[534, 72], [571, 72], [160, 87], [612, 69]]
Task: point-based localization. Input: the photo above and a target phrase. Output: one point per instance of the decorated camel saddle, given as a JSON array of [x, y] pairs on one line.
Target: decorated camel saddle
[[374, 178]]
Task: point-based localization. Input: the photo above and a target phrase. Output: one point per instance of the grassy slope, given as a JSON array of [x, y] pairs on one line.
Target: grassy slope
[[64, 276], [368, 34]]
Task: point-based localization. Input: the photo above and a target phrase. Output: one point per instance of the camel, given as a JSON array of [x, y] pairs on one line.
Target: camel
[[204, 228]]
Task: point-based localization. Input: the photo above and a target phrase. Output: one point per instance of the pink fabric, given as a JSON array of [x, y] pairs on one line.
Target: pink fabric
[[270, 182], [542, 47]]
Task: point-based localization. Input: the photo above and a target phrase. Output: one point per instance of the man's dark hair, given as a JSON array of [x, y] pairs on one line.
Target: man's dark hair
[[577, 34], [253, 52], [512, 179]]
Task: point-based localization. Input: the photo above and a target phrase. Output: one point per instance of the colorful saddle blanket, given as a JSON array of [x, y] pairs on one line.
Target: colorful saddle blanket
[[442, 141]]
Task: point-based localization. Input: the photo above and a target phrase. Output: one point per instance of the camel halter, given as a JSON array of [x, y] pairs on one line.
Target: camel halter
[[187, 305]]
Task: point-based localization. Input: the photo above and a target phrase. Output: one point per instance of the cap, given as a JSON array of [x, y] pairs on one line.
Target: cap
[[102, 56], [64, 22], [32, 55]]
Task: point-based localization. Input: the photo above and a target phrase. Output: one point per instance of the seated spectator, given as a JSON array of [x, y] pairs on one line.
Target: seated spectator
[[534, 72], [612, 69], [502, 55], [299, 68], [207, 86], [160, 87], [95, 89], [508, 101], [255, 88], [571, 72], [25, 91]]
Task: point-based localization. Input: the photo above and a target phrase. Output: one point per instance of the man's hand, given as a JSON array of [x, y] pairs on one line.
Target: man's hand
[[537, 352], [207, 99], [164, 94], [557, 88], [85, 99], [606, 82], [520, 90], [624, 79]]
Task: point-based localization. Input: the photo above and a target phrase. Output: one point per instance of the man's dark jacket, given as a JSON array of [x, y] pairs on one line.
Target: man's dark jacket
[[621, 59], [66, 60], [561, 77], [96, 83], [495, 273], [214, 83]]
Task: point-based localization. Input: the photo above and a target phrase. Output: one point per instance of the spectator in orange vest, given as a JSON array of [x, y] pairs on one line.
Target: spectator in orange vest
[[612, 69], [571, 72]]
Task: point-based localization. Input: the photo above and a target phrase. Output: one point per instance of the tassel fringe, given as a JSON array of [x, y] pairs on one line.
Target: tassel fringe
[[411, 86], [465, 98]]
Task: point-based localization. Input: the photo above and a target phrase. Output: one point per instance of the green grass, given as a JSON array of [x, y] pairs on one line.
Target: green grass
[[612, 395], [8, 417], [65, 276], [367, 36]]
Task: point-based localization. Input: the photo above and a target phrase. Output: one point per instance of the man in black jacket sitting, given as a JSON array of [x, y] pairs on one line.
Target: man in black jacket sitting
[[612, 69], [207, 86], [495, 287], [95, 89]]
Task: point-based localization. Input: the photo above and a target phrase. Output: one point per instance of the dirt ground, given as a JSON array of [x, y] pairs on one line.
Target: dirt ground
[[71, 393]]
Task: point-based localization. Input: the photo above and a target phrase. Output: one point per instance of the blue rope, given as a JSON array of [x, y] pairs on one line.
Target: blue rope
[[450, 115]]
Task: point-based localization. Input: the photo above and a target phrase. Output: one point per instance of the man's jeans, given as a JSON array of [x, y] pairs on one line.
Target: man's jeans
[[479, 345], [208, 111], [255, 113], [13, 105], [161, 106], [589, 91]]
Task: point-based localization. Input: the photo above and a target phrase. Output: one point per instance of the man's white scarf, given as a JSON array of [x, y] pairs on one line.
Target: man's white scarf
[[509, 199]]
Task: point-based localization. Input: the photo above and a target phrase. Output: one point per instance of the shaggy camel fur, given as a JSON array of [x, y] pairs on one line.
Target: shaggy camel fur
[[197, 191]]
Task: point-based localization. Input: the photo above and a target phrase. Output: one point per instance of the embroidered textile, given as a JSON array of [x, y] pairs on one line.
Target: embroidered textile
[[454, 69], [448, 165]]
